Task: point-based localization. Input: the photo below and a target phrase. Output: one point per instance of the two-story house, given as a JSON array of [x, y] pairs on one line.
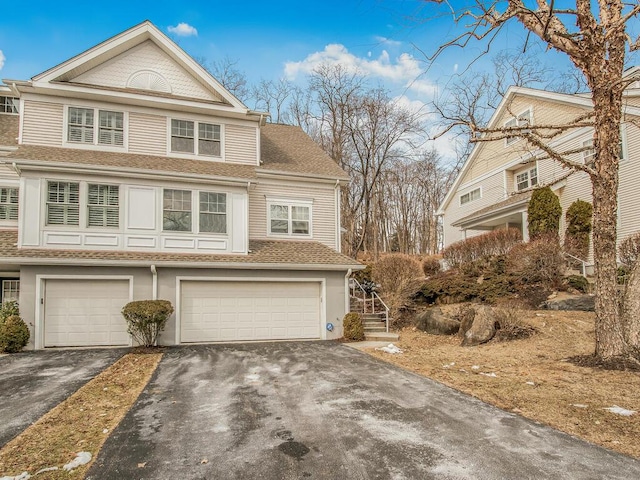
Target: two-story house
[[128, 173], [495, 184]]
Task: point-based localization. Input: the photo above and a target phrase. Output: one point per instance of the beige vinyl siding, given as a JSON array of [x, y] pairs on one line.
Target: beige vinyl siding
[[42, 123], [147, 134], [240, 144], [629, 209], [492, 155], [323, 210], [492, 189]]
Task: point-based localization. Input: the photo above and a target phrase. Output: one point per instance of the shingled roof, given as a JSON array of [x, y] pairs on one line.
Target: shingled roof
[[263, 254], [9, 130], [515, 200], [285, 149]]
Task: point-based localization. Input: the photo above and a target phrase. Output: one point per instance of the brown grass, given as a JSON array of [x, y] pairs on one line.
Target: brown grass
[[79, 423], [558, 385]]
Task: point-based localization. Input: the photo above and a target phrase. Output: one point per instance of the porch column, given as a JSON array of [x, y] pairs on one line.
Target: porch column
[[525, 226]]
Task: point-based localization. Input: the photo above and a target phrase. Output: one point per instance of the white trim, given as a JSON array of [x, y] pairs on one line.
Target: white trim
[[196, 155], [95, 145], [40, 296], [321, 281], [289, 202], [460, 204]]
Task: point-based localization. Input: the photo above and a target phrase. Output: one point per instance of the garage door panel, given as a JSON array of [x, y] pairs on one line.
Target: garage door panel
[[249, 310], [80, 312]]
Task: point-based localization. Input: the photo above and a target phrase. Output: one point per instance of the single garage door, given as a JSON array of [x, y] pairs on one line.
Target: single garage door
[[232, 311], [79, 313]]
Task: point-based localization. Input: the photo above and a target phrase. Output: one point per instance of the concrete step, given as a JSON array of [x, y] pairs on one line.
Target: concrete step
[[381, 337]]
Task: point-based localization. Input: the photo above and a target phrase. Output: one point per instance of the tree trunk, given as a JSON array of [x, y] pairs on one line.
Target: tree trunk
[[609, 329]]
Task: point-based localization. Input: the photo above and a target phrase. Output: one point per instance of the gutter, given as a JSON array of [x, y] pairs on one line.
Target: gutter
[[154, 287]]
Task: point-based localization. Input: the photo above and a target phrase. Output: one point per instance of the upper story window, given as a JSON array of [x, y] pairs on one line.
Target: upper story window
[[63, 203], [289, 218], [9, 104], [521, 120], [527, 178], [470, 196], [213, 212], [103, 205], [176, 210], [81, 126], [589, 154], [8, 203], [203, 140]]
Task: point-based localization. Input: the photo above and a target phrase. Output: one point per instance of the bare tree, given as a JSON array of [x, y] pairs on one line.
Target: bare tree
[[595, 36], [273, 96], [227, 73]]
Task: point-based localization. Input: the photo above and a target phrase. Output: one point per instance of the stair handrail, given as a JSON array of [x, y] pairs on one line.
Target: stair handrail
[[583, 263], [374, 296]]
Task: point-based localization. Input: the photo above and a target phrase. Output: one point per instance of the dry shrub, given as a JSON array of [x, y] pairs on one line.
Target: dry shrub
[[431, 265], [539, 261], [466, 253], [399, 277], [352, 327], [509, 317], [629, 249]]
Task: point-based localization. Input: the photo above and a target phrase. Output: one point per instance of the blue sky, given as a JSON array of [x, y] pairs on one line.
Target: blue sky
[[268, 39]]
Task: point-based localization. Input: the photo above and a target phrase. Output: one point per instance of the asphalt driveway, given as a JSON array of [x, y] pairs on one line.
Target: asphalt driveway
[[32, 383], [323, 410]]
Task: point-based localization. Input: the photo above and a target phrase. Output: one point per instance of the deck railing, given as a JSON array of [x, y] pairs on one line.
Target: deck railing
[[358, 291]]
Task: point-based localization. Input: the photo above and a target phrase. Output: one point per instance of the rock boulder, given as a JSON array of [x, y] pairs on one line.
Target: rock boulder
[[483, 328], [435, 322]]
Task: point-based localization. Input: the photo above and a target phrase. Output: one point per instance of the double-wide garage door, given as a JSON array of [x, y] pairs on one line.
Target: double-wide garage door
[[84, 312], [214, 311]]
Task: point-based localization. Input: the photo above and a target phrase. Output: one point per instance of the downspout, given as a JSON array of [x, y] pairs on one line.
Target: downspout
[[338, 222], [154, 287], [347, 296], [16, 169]]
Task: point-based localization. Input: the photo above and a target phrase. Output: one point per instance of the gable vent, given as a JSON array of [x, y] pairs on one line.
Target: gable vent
[[147, 80]]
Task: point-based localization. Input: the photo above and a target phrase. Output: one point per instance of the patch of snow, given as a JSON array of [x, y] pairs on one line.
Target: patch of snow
[[48, 469], [82, 458], [22, 476], [391, 348], [579, 405], [106, 430], [530, 383], [492, 374], [475, 367], [449, 365], [620, 411]]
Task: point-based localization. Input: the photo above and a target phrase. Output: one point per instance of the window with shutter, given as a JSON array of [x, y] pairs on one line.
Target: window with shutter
[[103, 206], [111, 128], [80, 128], [289, 219], [213, 212], [8, 203], [176, 210], [63, 203]]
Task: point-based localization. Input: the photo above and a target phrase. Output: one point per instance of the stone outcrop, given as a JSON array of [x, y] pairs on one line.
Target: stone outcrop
[[437, 323], [583, 303], [483, 328]]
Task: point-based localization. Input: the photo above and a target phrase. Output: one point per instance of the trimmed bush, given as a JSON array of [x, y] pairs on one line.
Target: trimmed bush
[[629, 250], [146, 319], [470, 255], [353, 328], [578, 282], [399, 277], [578, 232], [9, 309], [431, 266], [544, 213], [14, 334]]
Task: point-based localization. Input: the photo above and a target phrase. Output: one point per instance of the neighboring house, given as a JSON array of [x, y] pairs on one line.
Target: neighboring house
[[129, 173], [494, 186]]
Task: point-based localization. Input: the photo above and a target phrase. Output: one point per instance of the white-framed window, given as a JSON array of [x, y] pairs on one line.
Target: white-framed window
[[290, 218], [522, 120], [213, 212], [470, 196], [82, 123], [10, 290], [176, 210], [8, 203], [9, 104], [526, 178], [103, 205], [63, 203], [198, 138], [589, 154]]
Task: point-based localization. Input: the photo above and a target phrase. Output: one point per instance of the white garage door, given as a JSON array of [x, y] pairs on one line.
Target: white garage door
[[228, 311], [79, 313]]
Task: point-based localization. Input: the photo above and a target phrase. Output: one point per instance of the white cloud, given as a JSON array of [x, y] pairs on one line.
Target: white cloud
[[183, 30], [388, 41], [2, 59], [455, 68], [404, 69]]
